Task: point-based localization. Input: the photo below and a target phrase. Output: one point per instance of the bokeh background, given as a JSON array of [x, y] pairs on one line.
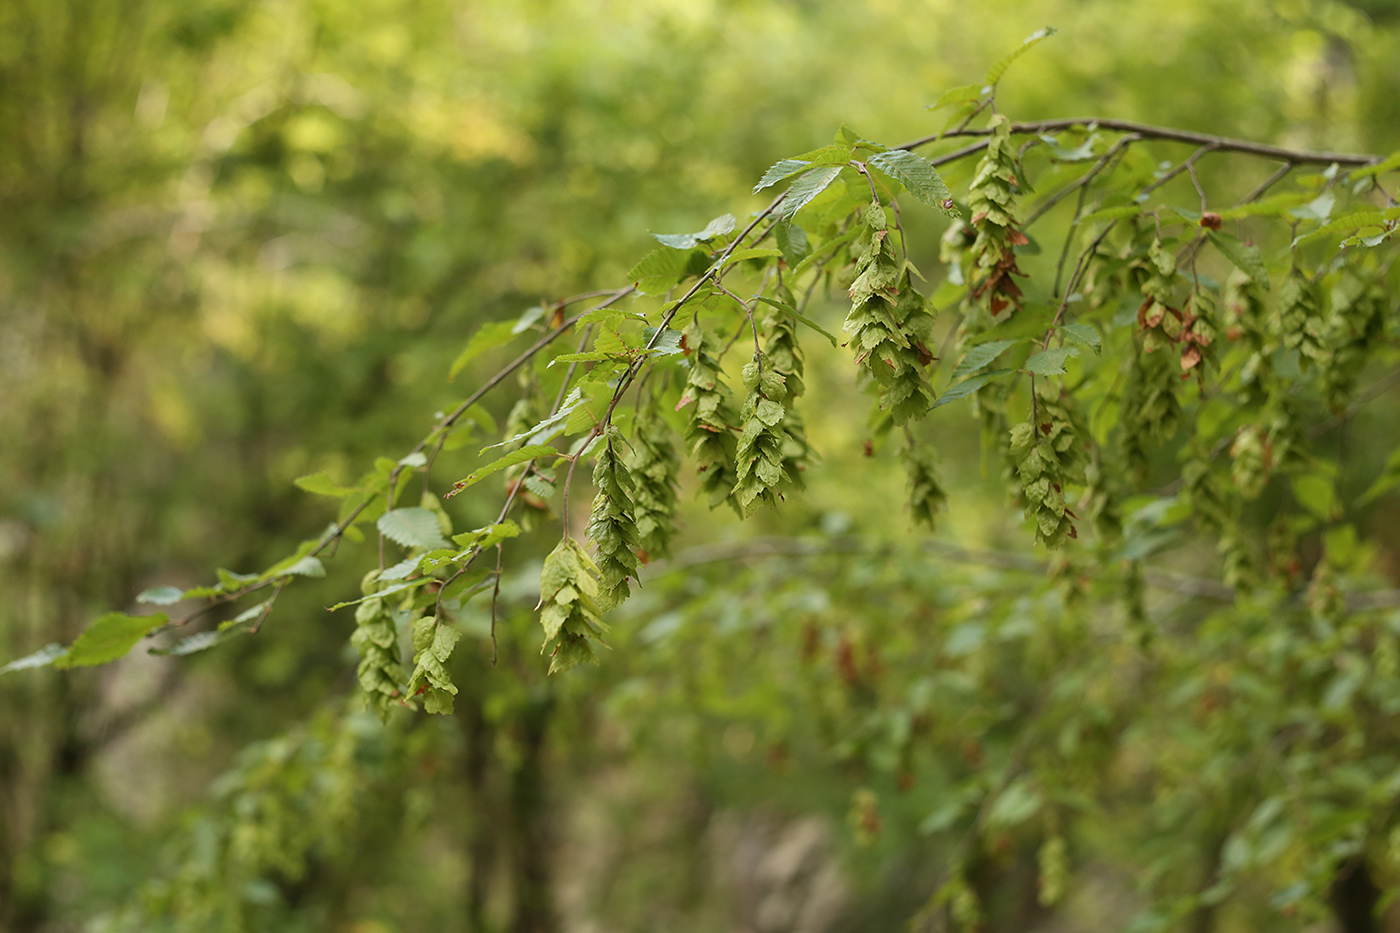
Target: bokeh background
[[243, 241]]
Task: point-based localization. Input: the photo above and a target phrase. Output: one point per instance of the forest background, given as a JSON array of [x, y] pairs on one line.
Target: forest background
[[245, 242]]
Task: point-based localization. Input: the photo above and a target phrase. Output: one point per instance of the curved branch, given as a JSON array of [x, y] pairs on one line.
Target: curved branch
[[1147, 131]]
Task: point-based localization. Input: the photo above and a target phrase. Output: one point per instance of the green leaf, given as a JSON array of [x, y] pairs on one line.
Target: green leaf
[[981, 355], [551, 425], [42, 658], [1317, 494], [968, 386], [961, 94], [1389, 478], [412, 527], [1319, 208], [916, 174], [487, 337], [1245, 256], [1359, 220], [788, 309], [1085, 334], [1051, 362], [1034, 39], [1389, 164], [305, 567], [161, 595], [321, 484], [1112, 213], [1017, 803], [109, 637], [532, 452], [755, 252], [808, 187], [721, 225], [792, 240], [784, 168], [662, 269]]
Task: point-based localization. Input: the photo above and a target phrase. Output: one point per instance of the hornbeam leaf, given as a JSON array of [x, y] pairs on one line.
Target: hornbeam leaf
[[968, 386], [961, 94], [411, 527], [664, 268], [1245, 256], [161, 595], [980, 356], [109, 637], [724, 223], [784, 168], [808, 187], [41, 658], [488, 337], [1034, 39], [915, 173], [751, 253], [321, 484], [1085, 334], [532, 452], [1051, 362], [788, 309]]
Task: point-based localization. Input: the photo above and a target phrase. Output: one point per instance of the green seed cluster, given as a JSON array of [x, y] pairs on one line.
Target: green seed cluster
[[992, 200], [760, 453], [1049, 454], [1355, 329], [709, 431], [433, 642], [926, 495], [612, 527], [784, 354], [889, 323], [1301, 322], [376, 639], [653, 464], [568, 607]]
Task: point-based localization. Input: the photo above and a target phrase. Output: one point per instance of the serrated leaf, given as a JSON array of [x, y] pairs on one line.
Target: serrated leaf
[[488, 337], [808, 187], [203, 641], [1319, 208], [1245, 256], [1389, 164], [109, 637], [321, 484], [1358, 220], [981, 355], [412, 527], [1034, 39], [547, 427], [787, 309], [1050, 362], [783, 168], [532, 452], [916, 174], [161, 595], [664, 268], [387, 591], [1275, 206], [756, 252], [721, 225], [306, 567], [1085, 334], [792, 240], [968, 386], [961, 94], [1112, 213], [42, 658]]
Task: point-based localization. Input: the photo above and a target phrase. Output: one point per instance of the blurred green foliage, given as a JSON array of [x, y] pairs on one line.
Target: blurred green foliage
[[244, 242]]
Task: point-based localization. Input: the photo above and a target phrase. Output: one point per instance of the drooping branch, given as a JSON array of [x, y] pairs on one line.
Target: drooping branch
[[1147, 131]]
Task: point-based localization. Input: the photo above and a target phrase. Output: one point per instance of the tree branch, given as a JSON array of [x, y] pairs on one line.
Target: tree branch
[[1147, 131]]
